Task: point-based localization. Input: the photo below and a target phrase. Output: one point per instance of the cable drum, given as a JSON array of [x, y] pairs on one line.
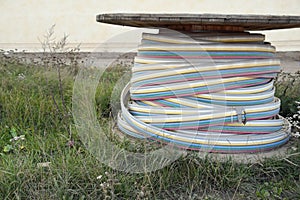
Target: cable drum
[[204, 91]]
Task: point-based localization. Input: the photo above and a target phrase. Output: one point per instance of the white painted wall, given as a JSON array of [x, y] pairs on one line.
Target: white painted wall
[[23, 21]]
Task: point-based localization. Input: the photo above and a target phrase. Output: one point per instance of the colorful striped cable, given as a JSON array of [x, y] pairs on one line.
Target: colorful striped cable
[[204, 91]]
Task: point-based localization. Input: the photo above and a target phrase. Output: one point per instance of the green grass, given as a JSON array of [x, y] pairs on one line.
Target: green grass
[[288, 90], [31, 105]]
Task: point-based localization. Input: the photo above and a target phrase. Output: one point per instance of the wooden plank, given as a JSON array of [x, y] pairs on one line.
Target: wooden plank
[[246, 22]]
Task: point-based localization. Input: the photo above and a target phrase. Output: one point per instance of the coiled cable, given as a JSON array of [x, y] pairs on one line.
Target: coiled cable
[[204, 91]]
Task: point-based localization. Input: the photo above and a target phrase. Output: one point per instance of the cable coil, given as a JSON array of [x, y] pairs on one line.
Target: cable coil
[[204, 91]]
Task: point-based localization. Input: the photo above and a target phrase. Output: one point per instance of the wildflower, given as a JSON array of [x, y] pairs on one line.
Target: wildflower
[[296, 135], [295, 115], [16, 138], [99, 177], [21, 76], [70, 143]]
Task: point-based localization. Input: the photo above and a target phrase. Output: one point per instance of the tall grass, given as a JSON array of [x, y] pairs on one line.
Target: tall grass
[[288, 90], [52, 163]]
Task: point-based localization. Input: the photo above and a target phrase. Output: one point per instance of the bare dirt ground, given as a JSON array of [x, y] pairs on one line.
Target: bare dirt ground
[[290, 60]]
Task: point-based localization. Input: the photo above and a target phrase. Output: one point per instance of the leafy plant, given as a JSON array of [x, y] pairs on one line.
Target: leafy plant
[[16, 142], [270, 190]]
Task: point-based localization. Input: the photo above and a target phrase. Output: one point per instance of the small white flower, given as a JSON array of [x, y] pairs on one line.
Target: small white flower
[[296, 135], [21, 137], [21, 76], [294, 148], [99, 177], [142, 194]]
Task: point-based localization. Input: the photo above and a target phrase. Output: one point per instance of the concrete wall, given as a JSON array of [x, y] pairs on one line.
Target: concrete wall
[[24, 21]]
